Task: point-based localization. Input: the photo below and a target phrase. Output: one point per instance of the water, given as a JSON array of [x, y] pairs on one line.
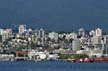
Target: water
[[52, 66]]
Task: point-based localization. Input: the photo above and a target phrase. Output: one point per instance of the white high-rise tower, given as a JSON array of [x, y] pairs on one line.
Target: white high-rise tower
[[98, 32], [22, 29]]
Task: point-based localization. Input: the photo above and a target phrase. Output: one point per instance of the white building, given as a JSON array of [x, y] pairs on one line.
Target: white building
[[97, 53], [1, 31], [7, 33], [36, 55], [61, 35], [73, 35], [22, 29], [53, 35], [41, 33], [67, 36], [81, 32], [92, 33], [98, 32]]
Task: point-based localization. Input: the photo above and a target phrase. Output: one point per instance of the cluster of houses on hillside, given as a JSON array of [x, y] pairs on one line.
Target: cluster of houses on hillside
[[41, 44]]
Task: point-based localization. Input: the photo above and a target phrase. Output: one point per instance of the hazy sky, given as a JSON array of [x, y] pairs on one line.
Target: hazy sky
[[63, 14]]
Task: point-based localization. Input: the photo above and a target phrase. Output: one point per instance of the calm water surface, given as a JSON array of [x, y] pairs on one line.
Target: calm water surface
[[52, 66]]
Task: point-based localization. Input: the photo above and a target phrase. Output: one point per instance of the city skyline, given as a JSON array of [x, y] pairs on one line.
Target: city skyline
[[53, 35], [16, 29]]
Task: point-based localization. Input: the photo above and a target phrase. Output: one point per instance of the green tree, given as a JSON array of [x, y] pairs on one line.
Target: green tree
[[80, 55]]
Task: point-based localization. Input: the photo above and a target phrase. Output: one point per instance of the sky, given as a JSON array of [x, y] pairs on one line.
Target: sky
[[55, 15]]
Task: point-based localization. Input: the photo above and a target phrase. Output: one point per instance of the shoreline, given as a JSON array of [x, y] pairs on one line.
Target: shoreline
[[59, 60]]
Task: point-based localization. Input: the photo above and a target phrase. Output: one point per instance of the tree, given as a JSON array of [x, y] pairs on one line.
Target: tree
[[80, 56], [65, 56]]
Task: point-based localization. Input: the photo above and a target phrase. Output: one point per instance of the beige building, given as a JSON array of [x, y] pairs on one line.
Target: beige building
[[76, 45], [96, 39]]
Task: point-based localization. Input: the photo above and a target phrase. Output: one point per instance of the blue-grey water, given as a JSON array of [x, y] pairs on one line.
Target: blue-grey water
[[52, 66], [56, 15]]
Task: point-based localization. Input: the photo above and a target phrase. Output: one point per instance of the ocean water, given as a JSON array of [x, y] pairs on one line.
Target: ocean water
[[52, 66]]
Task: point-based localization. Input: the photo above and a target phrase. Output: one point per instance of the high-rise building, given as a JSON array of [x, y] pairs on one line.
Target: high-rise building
[[41, 33], [98, 32], [76, 45], [7, 33], [81, 32], [22, 29], [1, 31]]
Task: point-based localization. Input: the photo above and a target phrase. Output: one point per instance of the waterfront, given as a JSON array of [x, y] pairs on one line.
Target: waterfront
[[52, 65]]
